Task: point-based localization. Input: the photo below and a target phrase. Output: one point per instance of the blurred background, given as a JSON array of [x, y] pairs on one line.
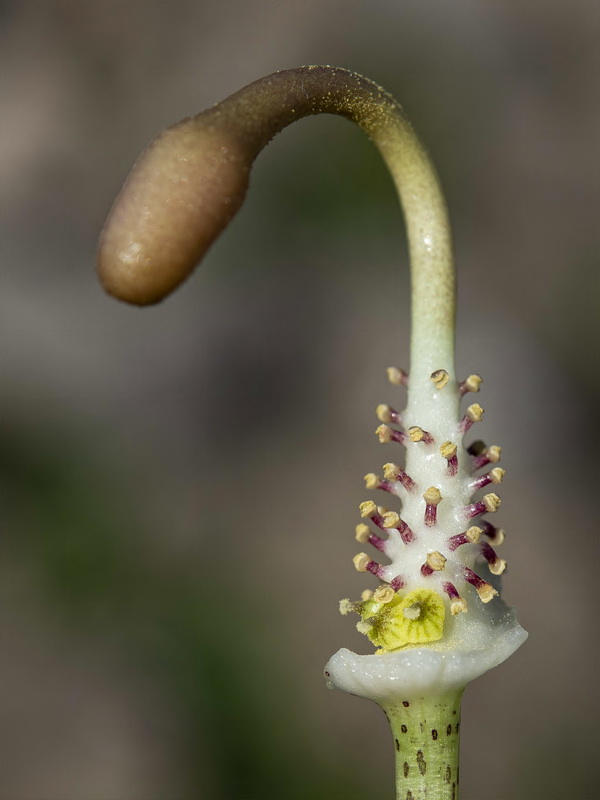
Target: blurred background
[[174, 474]]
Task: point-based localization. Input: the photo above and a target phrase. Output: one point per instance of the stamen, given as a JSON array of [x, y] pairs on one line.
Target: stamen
[[368, 509], [387, 434], [392, 472], [397, 583], [488, 455], [384, 594], [364, 534], [474, 413], [470, 536], [366, 594], [406, 534], [496, 565], [362, 563], [432, 497], [495, 535], [387, 414], [493, 476], [417, 434], [448, 451], [434, 562], [490, 502], [470, 384], [440, 378], [457, 603], [484, 589], [373, 481], [386, 520], [393, 521], [390, 519], [397, 376]]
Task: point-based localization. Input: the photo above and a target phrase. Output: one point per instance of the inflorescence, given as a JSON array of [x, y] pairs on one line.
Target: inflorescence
[[436, 552]]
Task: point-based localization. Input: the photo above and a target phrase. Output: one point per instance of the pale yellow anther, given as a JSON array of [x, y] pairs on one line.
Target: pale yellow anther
[[372, 481], [499, 537], [416, 434], [475, 412], [396, 376], [497, 474], [432, 496], [390, 519], [486, 592], [346, 606], [472, 383], [384, 413], [366, 595], [384, 432], [498, 566], [384, 594], [362, 533], [472, 534], [457, 606], [364, 626], [368, 508], [448, 449], [440, 378], [491, 501], [493, 453], [435, 560], [360, 562], [391, 471]]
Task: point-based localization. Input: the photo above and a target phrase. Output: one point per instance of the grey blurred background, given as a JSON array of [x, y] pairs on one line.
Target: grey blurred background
[[175, 473]]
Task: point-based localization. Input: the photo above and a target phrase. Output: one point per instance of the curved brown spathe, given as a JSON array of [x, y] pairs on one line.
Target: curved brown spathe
[[181, 193], [192, 179]]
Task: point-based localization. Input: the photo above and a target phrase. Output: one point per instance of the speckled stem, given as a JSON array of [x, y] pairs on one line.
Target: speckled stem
[[426, 741]]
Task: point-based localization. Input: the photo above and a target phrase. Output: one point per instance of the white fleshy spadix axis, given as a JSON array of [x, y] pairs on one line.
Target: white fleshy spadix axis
[[440, 621]]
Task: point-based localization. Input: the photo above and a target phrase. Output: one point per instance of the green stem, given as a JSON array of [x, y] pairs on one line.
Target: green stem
[[426, 740]]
